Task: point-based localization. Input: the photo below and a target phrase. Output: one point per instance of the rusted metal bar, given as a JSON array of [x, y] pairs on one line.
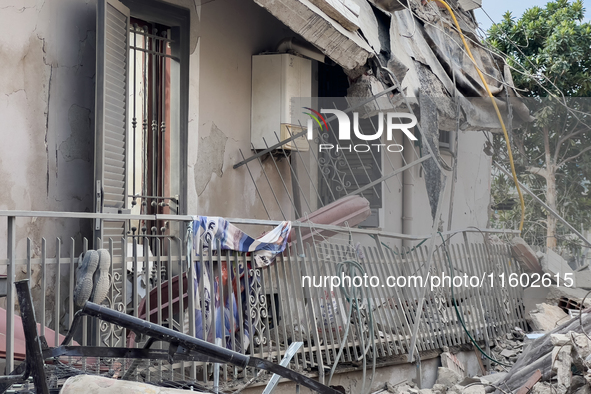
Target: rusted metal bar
[[216, 353], [34, 358]]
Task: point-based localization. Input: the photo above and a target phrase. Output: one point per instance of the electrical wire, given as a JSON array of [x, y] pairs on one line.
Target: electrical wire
[[354, 297], [459, 315], [497, 52], [402, 254], [509, 152]]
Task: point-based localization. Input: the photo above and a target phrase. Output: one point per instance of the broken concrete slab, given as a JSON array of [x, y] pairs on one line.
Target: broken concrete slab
[[559, 339], [525, 256], [552, 263], [568, 296], [346, 48], [493, 377], [586, 389], [508, 353], [548, 317], [450, 361], [583, 279], [100, 385], [447, 377], [476, 389], [469, 5], [561, 364], [339, 12], [542, 388]]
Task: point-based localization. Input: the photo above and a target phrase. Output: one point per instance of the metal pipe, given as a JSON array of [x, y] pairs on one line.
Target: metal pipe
[[390, 175], [297, 214], [217, 353], [33, 347], [160, 333], [11, 276]]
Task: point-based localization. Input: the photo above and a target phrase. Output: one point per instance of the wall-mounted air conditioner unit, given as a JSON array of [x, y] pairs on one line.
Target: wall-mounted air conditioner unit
[[276, 79]]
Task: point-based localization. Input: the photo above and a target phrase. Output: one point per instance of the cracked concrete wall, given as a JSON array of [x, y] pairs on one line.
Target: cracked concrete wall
[[47, 52], [224, 111], [47, 104], [472, 191]]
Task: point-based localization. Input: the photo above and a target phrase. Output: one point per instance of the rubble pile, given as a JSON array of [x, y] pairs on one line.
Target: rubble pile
[[555, 358], [508, 348]]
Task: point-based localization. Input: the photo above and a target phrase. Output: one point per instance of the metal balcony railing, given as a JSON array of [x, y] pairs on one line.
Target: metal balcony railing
[[260, 311]]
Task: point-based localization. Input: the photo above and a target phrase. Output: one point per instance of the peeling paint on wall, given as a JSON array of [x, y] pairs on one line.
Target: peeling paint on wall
[[210, 158]]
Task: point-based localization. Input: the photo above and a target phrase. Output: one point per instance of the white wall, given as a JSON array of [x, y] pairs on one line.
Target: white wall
[[47, 107], [231, 32], [472, 191]]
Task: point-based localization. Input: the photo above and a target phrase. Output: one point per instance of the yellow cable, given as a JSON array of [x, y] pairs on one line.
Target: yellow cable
[[496, 109]]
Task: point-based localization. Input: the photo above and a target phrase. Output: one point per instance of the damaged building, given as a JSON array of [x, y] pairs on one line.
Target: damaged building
[[131, 121]]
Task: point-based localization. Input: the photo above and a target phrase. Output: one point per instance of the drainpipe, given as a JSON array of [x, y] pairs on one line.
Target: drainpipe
[[407, 191]]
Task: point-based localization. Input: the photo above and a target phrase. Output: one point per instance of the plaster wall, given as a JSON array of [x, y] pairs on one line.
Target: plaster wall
[[471, 197], [47, 52], [47, 106], [231, 32]]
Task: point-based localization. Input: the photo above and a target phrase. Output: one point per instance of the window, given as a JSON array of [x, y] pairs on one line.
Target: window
[[346, 172], [446, 140], [349, 171], [141, 113]]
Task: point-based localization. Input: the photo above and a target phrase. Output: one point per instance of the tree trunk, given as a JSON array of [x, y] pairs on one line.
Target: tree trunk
[[550, 193], [551, 201]]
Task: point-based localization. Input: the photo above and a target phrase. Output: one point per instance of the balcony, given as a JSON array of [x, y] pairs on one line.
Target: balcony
[[261, 311]]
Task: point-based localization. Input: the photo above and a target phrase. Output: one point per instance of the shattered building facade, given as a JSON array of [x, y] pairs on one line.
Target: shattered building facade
[[135, 108]]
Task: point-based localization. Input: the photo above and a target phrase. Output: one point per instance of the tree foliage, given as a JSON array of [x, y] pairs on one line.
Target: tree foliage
[[551, 40], [551, 47]]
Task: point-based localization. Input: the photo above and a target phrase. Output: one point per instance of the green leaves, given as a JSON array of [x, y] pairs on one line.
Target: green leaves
[[553, 39], [552, 48]]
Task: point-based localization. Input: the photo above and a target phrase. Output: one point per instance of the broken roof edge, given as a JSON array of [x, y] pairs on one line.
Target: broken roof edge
[[347, 49]]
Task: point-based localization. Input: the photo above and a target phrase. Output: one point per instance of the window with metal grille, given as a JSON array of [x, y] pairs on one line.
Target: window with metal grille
[[349, 171], [141, 113]]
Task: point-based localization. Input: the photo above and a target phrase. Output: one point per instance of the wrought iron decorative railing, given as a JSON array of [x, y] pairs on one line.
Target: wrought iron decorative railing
[[260, 311]]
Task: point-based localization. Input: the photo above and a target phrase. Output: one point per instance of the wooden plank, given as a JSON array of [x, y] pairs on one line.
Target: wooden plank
[[339, 12], [479, 358], [535, 378]]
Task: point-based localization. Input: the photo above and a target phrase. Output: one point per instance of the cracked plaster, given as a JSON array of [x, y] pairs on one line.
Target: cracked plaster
[[210, 158]]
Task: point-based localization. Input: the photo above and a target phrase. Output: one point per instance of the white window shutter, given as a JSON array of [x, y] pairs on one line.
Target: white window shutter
[[111, 109]]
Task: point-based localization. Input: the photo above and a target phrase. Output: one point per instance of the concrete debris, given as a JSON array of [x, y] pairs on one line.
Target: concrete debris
[[547, 317], [101, 385], [560, 362], [583, 279], [447, 377], [531, 382], [525, 256], [406, 388], [477, 389], [553, 264], [567, 297], [542, 388], [450, 361], [507, 349]]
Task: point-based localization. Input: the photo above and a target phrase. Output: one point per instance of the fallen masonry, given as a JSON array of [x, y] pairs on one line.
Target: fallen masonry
[[554, 358]]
